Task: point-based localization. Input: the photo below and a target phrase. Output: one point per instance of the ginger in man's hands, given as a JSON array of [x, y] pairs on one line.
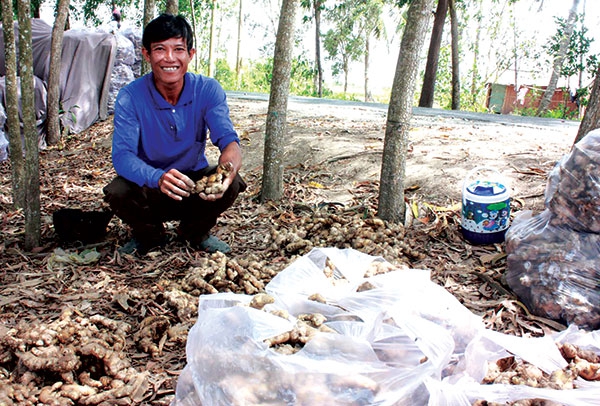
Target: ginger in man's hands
[[213, 184]]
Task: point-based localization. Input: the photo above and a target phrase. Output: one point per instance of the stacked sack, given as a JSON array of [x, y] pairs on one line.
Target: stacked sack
[[552, 263], [122, 72]]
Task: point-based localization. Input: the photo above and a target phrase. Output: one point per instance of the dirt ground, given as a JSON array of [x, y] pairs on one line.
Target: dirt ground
[[442, 150], [111, 329]]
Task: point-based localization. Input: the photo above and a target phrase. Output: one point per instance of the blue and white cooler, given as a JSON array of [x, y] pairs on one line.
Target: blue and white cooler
[[485, 207]]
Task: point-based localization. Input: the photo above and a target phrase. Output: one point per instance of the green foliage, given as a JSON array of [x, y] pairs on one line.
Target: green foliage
[[302, 77], [561, 113], [344, 42], [443, 80], [401, 3], [224, 74], [34, 5], [309, 5], [354, 22], [257, 76], [578, 58], [70, 113], [583, 95], [443, 87], [87, 10], [346, 96]]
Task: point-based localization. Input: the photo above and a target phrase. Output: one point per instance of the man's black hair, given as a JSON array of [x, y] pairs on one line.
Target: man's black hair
[[167, 26]]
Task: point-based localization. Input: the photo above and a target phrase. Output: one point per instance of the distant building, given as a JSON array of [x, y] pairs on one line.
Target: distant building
[[503, 99]]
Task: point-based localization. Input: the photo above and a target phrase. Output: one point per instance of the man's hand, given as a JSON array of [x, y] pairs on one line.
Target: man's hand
[[226, 170], [175, 184], [231, 156]]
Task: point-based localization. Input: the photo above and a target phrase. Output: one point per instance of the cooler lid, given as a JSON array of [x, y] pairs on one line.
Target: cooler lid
[[486, 188]]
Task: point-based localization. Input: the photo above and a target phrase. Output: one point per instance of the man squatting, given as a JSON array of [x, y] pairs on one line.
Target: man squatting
[[161, 122]]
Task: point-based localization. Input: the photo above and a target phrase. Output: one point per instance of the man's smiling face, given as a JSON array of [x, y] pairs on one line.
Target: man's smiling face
[[169, 60]]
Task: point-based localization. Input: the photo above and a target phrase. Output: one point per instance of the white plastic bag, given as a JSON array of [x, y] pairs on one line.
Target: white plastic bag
[[464, 388], [552, 257], [405, 341], [388, 339]]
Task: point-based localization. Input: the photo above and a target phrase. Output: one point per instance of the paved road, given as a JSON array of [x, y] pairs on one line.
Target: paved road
[[421, 111]]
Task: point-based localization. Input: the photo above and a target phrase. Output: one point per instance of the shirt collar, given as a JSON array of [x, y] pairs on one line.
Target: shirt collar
[[160, 102]]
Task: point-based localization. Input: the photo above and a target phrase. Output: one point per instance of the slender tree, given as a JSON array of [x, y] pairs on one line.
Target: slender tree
[[578, 59], [559, 60], [53, 103], [194, 25], [428, 88], [149, 6], [371, 25], [367, 61], [391, 191], [212, 39], [316, 7], [31, 183], [591, 118], [12, 106], [238, 59], [476, 54], [344, 42], [455, 41], [583, 31], [272, 183], [172, 7]]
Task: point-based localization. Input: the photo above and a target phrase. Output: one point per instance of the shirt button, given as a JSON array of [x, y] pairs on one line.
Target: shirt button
[[173, 110]]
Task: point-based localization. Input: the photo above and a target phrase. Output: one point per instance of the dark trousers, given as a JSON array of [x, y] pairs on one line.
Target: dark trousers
[[145, 209]]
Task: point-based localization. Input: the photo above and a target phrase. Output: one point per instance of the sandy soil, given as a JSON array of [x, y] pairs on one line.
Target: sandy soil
[[442, 150]]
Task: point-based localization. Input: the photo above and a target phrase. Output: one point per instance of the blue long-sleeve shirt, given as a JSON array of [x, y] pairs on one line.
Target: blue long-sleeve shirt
[[152, 136]]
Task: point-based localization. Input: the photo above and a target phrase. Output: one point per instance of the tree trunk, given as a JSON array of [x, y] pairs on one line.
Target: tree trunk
[[591, 118], [15, 144], [558, 60], [53, 109], [317, 5], [212, 40], [172, 7], [272, 184], [148, 16], [428, 88], [32, 164], [195, 37], [475, 67], [455, 56], [391, 191], [367, 93], [515, 50], [238, 59], [346, 69]]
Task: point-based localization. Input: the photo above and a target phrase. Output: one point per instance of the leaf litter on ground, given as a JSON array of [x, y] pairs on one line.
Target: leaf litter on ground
[[80, 288]]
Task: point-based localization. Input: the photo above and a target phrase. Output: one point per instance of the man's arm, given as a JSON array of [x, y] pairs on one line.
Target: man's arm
[[232, 153], [125, 145]]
